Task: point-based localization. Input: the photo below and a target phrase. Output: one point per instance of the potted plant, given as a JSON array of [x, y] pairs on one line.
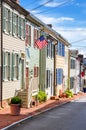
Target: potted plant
[[15, 105]]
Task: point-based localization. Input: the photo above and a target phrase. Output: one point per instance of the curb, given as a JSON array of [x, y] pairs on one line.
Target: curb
[[38, 113]]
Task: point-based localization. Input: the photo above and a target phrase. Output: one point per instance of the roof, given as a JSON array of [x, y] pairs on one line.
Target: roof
[[36, 21]]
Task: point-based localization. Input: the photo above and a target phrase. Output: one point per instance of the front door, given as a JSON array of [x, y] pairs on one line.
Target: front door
[[51, 84], [22, 73], [27, 77]]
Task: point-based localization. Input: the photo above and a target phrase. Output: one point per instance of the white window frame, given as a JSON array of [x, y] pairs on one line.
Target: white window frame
[[7, 66], [16, 66]]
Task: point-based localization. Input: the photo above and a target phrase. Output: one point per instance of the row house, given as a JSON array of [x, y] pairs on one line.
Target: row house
[[61, 65], [24, 68], [13, 48], [74, 71], [20, 55], [53, 64]]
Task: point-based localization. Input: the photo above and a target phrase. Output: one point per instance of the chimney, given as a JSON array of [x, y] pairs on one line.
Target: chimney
[[17, 1], [50, 25]]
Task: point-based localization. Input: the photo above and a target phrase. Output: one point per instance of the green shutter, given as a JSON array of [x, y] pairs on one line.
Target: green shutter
[[10, 28], [19, 27], [18, 66], [8, 65], [12, 72], [13, 24], [4, 18], [24, 31], [4, 65]]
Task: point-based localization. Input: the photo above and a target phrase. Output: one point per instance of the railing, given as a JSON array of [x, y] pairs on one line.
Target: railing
[[30, 88]]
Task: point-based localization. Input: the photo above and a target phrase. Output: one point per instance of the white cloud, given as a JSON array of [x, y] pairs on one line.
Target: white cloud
[[52, 20], [55, 3], [70, 33]]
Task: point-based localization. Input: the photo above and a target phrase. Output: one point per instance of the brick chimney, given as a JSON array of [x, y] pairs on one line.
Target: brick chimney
[[50, 25], [17, 1]]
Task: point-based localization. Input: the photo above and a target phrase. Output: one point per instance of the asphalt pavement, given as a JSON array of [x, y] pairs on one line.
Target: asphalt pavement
[[71, 116]]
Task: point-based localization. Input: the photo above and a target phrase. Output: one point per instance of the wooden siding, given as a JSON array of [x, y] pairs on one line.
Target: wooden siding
[[60, 62], [10, 88], [66, 68], [42, 69], [0, 51], [11, 43]]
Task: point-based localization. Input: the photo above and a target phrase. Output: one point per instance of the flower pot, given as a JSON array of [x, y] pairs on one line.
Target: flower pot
[[15, 109]]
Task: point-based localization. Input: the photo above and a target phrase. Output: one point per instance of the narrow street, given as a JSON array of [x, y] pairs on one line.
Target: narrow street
[[71, 116]]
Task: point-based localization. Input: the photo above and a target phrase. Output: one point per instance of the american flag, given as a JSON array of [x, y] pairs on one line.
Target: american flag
[[41, 42]]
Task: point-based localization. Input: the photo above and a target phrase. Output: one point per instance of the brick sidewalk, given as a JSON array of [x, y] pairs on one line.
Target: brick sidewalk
[[7, 119]]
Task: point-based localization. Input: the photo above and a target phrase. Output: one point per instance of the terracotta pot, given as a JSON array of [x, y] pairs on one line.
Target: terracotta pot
[[15, 109]]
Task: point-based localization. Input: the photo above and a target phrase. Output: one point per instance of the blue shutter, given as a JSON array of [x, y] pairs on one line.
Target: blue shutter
[[47, 79], [61, 76], [58, 48], [56, 76], [63, 50]]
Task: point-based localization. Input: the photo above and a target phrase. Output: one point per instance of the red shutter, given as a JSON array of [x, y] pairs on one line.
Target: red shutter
[[36, 70], [30, 35], [82, 74], [26, 34], [35, 36]]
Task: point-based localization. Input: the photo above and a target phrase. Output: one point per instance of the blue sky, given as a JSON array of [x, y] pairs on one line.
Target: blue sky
[[68, 18]]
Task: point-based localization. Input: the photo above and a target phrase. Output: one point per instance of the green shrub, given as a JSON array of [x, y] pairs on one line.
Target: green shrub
[[69, 93], [41, 96], [15, 100]]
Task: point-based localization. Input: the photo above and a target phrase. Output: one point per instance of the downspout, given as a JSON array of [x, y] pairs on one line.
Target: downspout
[[54, 70], [1, 49], [68, 82]]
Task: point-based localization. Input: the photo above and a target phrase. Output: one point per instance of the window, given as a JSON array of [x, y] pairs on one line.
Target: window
[[7, 20], [36, 71], [6, 66], [63, 50], [60, 49], [72, 64], [50, 50], [59, 76], [36, 35], [56, 49], [48, 79], [22, 28], [15, 24], [15, 66], [71, 82], [28, 34]]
